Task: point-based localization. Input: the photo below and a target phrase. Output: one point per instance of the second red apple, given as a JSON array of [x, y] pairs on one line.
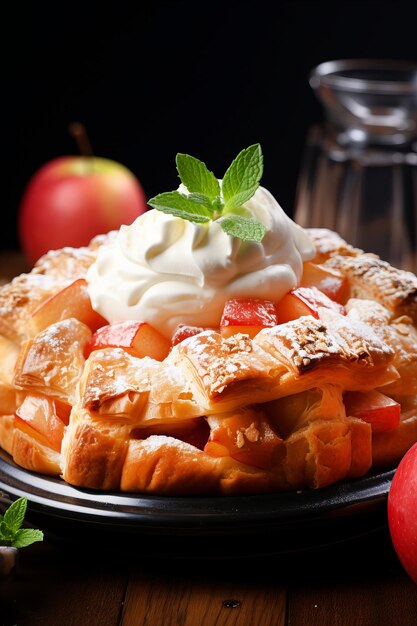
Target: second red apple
[[71, 199]]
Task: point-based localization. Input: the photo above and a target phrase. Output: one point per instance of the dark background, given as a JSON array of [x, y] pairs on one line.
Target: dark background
[[152, 79]]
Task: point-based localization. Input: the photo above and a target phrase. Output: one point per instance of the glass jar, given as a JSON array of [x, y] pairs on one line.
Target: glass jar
[[359, 171]]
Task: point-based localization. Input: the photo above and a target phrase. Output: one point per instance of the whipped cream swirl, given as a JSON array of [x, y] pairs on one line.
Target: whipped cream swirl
[[165, 270]]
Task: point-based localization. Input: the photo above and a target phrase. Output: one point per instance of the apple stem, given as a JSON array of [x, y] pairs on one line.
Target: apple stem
[[79, 134]]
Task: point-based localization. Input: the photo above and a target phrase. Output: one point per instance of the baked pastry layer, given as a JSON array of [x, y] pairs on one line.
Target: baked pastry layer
[[218, 415]]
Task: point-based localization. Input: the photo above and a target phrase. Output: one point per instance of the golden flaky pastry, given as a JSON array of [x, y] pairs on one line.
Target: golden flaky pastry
[[217, 415]]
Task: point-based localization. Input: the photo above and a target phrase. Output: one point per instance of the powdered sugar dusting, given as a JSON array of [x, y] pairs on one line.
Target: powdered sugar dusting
[[155, 442], [308, 341], [372, 278], [221, 362]]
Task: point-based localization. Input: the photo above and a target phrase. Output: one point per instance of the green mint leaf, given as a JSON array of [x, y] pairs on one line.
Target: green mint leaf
[[6, 534], [245, 228], [206, 201], [241, 180], [217, 205], [26, 536], [15, 514], [202, 199], [189, 208], [196, 177], [11, 533]]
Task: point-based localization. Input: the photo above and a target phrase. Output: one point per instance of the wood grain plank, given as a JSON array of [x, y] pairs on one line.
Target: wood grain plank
[[361, 585], [168, 600], [388, 602], [54, 587]]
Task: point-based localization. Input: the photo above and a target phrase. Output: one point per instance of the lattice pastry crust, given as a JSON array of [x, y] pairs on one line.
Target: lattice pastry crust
[[115, 421]]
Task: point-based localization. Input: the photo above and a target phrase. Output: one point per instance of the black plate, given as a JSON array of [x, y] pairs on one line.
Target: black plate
[[263, 524]]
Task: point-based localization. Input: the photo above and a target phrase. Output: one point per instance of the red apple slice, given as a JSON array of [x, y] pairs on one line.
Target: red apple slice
[[214, 448], [305, 301], [246, 436], [380, 411], [37, 417], [194, 431], [138, 338], [329, 281], [247, 315], [183, 331], [72, 301]]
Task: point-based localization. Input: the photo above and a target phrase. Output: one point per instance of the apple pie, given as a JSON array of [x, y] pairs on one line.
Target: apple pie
[[327, 391]]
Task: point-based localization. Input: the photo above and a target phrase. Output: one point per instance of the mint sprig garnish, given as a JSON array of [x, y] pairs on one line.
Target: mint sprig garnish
[[209, 200], [196, 177], [242, 177], [193, 208], [243, 227], [11, 531]]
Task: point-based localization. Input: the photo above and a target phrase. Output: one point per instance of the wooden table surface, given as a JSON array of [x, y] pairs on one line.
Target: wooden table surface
[[354, 583], [72, 585]]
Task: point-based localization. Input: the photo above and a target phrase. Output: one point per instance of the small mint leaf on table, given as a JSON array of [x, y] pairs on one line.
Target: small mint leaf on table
[[11, 533], [192, 208], [241, 179], [196, 177], [15, 514], [26, 536], [244, 228], [6, 533]]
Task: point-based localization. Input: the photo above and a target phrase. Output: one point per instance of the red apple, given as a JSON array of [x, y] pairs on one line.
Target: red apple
[[402, 512], [247, 315], [183, 331], [71, 301], [138, 338], [305, 301], [380, 411], [327, 280], [38, 417], [246, 436], [71, 199]]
